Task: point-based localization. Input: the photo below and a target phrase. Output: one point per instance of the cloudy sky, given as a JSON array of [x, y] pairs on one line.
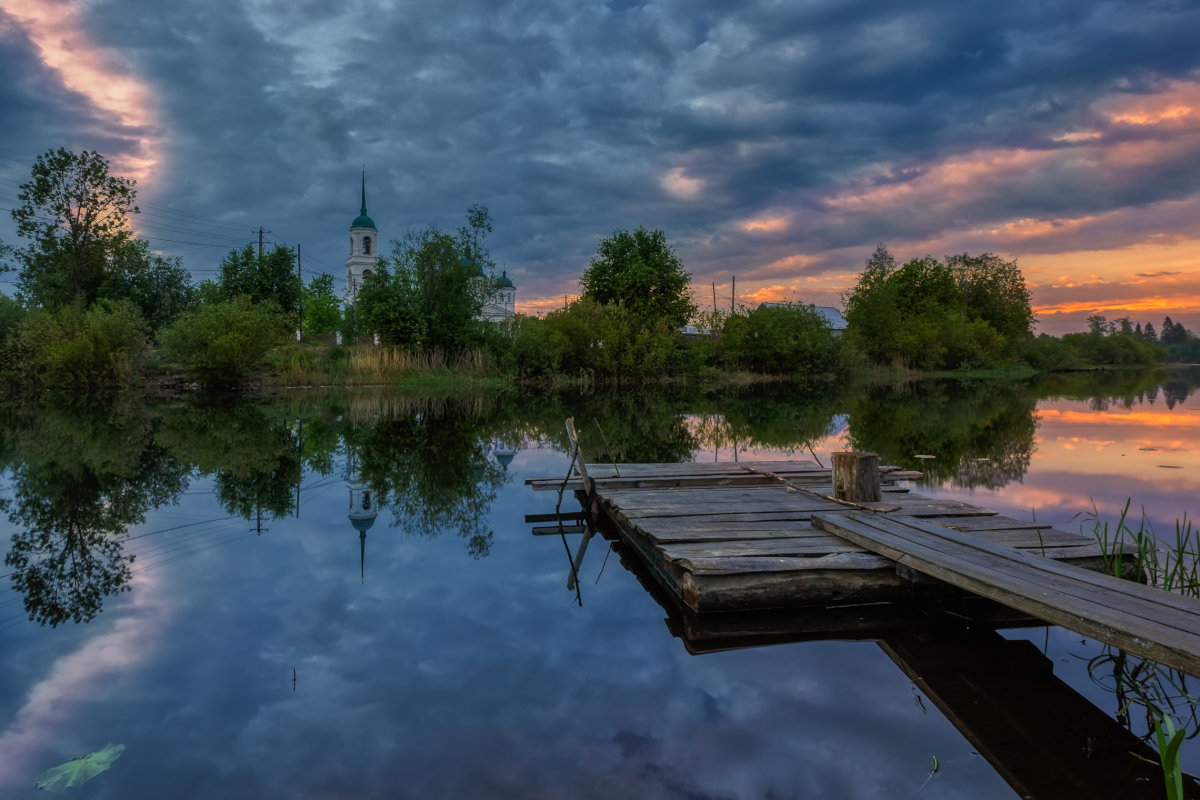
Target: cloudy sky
[[777, 142]]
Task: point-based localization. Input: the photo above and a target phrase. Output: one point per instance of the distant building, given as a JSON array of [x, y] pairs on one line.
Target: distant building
[[364, 248], [501, 302], [837, 323]]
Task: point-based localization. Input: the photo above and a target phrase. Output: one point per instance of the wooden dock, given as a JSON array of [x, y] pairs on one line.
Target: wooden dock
[[746, 537]]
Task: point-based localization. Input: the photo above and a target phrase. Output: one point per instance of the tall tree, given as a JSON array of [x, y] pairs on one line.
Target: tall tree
[[994, 290], [428, 293], [640, 270], [322, 311], [75, 216], [269, 276]]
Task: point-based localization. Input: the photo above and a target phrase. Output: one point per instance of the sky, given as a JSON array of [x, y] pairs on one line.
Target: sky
[[775, 143]]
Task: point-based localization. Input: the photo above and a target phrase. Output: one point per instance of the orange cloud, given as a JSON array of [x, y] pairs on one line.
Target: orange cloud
[[1188, 304], [766, 224], [771, 294], [679, 184], [1177, 103], [57, 29]]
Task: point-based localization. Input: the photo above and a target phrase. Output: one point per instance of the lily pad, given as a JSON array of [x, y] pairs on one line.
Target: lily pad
[[79, 771]]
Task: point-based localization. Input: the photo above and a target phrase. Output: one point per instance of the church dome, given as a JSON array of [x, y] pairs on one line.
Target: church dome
[[504, 282]]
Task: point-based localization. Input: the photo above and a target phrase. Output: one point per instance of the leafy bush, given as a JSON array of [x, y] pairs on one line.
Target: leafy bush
[[224, 342], [782, 339], [102, 347]]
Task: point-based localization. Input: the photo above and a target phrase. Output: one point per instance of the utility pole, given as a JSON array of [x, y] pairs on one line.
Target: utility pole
[[732, 298], [714, 297], [300, 310], [260, 232]]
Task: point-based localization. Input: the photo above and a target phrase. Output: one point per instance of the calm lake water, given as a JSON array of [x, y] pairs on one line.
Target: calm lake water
[[263, 643]]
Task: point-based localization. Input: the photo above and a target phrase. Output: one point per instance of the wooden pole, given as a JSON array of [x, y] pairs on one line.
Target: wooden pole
[[856, 477]]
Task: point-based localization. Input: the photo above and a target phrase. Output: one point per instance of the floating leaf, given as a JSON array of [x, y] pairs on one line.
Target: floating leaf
[[79, 771]]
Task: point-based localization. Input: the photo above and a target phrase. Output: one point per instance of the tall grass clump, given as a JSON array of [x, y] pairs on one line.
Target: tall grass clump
[[1170, 565]]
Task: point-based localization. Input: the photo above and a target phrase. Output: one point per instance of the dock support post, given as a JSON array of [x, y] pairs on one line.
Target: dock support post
[[856, 477]]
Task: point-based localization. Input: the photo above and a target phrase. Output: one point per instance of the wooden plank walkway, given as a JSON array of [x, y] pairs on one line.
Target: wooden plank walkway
[[1148, 622], [739, 536], [768, 535]]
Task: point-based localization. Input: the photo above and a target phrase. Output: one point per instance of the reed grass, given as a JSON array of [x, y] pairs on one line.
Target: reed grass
[[1170, 565], [367, 365]]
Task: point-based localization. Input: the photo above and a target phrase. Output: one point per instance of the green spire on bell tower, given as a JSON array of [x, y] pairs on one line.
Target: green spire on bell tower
[[362, 220]]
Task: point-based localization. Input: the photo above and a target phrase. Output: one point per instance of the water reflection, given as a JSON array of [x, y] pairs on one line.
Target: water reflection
[[980, 434], [80, 477], [253, 456]]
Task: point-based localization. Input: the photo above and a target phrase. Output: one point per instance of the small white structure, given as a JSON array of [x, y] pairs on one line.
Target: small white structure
[[364, 248], [837, 323], [502, 302]]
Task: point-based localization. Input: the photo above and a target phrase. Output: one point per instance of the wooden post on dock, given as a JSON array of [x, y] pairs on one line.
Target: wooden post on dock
[[856, 477]]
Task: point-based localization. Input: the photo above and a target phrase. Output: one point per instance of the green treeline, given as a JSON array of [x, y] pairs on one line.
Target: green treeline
[[96, 309]]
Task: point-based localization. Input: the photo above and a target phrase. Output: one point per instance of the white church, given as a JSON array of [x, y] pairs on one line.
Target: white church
[[500, 304]]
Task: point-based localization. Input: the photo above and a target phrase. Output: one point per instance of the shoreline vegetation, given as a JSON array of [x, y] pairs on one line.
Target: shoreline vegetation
[[97, 311]]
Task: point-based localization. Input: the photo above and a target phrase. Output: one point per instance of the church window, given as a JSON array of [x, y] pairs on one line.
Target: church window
[[366, 245]]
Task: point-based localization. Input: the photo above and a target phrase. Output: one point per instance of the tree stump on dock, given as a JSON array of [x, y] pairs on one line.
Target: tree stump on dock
[[856, 477]]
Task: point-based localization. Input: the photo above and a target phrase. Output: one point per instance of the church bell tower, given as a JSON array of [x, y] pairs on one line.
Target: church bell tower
[[364, 247]]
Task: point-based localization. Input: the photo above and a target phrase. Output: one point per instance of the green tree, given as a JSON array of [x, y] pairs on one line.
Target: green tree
[[224, 343], [994, 290], [74, 215], [640, 270], [159, 288], [322, 310], [269, 276], [427, 293], [930, 314], [784, 339]]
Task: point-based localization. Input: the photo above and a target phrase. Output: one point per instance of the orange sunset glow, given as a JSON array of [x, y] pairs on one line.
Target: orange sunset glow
[[99, 75]]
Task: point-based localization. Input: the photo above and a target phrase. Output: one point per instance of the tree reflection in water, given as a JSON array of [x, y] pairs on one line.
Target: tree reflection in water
[[81, 476], [980, 433]]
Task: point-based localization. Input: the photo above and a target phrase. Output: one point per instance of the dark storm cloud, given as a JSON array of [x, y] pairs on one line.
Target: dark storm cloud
[[568, 121]]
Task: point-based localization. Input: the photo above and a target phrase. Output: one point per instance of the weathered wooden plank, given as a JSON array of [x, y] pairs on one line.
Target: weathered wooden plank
[[1025, 537], [759, 589], [1141, 620], [553, 530], [742, 565], [996, 522], [759, 547], [531, 519], [732, 533], [705, 509]]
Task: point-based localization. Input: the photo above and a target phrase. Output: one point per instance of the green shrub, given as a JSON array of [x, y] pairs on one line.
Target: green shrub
[[782, 340], [224, 342], [101, 348]]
